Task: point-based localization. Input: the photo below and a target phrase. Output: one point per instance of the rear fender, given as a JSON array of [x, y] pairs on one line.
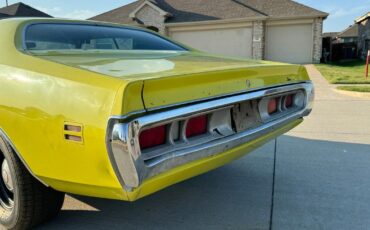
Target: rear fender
[[6, 139]]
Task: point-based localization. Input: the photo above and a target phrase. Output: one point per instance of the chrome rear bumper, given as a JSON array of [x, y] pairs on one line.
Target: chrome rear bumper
[[133, 166]]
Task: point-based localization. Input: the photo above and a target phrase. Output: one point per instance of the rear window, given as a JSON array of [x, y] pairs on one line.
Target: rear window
[[96, 37]]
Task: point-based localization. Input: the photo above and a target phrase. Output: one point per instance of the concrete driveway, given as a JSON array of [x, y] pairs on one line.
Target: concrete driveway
[[319, 178]]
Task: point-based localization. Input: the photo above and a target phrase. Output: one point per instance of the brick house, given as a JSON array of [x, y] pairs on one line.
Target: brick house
[[278, 30], [363, 34]]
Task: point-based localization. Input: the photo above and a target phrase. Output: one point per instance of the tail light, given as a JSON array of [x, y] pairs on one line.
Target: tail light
[[152, 137], [197, 126], [273, 105], [288, 101]]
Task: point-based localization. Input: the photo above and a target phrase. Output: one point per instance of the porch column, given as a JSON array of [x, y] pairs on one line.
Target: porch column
[[317, 40], [258, 46]]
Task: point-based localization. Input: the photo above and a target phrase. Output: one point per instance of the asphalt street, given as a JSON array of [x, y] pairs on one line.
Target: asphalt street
[[318, 178]]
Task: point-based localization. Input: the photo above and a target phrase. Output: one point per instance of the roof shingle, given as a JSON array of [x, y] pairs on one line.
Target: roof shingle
[[21, 10], [351, 31], [204, 10]]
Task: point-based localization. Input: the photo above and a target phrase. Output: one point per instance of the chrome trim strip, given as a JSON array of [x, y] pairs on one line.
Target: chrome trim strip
[[124, 149], [128, 116], [219, 145], [7, 139]]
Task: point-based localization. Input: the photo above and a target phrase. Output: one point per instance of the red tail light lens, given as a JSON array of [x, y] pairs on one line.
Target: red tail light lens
[[152, 137], [197, 126], [273, 105], [289, 101]]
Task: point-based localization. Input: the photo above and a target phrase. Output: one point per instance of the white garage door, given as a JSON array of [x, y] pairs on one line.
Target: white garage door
[[289, 43], [235, 42]]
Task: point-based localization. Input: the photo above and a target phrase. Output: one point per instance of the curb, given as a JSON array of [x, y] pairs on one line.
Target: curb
[[353, 94]]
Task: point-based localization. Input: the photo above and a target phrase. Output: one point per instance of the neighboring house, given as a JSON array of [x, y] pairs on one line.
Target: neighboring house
[[328, 39], [20, 10], [348, 35], [340, 46], [279, 30], [363, 34]]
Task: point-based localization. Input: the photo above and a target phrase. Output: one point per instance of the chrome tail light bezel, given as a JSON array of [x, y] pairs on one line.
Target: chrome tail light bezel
[[132, 165]]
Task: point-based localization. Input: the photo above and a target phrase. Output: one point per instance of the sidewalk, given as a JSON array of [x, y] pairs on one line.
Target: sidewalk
[[322, 167], [336, 117]]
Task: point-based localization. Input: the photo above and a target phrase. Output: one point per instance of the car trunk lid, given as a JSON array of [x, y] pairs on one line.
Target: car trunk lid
[[172, 77], [161, 92]]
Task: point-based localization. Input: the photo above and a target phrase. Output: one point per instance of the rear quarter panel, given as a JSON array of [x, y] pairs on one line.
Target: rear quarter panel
[[38, 97]]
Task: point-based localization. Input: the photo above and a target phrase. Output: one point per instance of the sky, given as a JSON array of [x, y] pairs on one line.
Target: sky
[[342, 12]]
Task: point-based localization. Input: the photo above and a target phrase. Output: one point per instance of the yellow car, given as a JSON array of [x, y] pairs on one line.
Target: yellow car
[[119, 112]]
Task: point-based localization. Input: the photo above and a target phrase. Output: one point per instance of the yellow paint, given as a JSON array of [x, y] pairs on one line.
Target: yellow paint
[[172, 90], [37, 97], [40, 92]]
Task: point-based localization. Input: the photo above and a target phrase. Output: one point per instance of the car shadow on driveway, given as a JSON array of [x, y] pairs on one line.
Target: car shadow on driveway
[[311, 185], [322, 184]]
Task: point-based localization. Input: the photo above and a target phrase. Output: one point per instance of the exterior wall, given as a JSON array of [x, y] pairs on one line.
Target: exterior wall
[[317, 40], [258, 40], [151, 17], [363, 37]]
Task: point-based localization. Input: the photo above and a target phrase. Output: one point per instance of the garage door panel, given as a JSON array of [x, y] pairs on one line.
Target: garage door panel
[[235, 42], [289, 43]]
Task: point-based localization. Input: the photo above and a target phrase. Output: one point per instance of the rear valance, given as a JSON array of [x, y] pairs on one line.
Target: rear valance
[[152, 144]]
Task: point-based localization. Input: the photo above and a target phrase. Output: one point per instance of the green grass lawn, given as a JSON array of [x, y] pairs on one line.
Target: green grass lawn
[[362, 89], [344, 73]]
